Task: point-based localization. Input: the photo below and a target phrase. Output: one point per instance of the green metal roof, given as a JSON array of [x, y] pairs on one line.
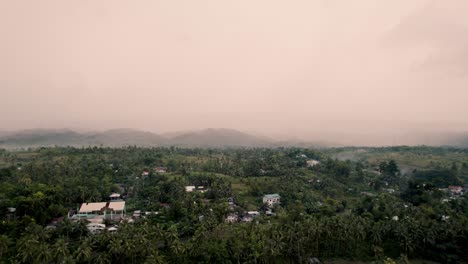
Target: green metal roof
[[272, 196]]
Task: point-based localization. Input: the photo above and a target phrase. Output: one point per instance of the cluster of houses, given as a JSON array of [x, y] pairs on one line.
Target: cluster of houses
[[160, 170], [193, 188], [270, 200]]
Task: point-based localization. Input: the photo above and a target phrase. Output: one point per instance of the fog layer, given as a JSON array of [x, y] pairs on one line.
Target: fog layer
[[350, 70]]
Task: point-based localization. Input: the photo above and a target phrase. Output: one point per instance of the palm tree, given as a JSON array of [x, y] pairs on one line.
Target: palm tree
[[115, 247], [27, 249], [4, 241], [102, 258], [155, 258], [60, 250], [84, 251]]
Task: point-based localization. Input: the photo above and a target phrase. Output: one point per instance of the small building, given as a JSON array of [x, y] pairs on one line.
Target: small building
[[253, 213], [189, 188], [160, 169], [148, 213], [271, 199], [114, 197], [247, 218], [95, 228], [456, 189], [137, 214], [312, 163], [112, 229], [145, 173], [232, 218]]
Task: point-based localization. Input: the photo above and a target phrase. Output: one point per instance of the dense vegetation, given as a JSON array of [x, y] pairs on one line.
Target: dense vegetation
[[367, 204]]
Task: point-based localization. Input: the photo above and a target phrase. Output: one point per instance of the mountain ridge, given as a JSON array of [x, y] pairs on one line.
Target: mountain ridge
[[211, 137]]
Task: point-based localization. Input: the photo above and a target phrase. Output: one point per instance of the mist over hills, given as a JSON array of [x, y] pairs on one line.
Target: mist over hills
[[211, 137], [130, 137]]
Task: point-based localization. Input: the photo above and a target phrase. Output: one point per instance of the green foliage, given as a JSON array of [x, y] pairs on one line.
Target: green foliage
[[372, 208]]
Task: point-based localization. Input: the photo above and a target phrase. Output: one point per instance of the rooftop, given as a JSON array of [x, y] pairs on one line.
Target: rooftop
[[91, 207], [117, 206], [94, 207], [272, 196]]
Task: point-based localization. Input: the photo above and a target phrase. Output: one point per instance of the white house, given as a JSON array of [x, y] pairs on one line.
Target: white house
[[114, 197], [97, 212], [312, 163], [253, 213], [189, 188], [455, 189], [95, 228], [160, 169], [232, 218], [112, 229], [271, 199]]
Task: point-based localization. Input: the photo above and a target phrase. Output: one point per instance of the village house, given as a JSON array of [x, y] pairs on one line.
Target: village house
[[145, 173], [112, 229], [312, 163], [95, 228], [253, 213], [271, 199], [190, 188], [136, 214], [250, 216], [98, 212], [455, 189], [114, 197], [232, 218], [247, 218], [160, 169]]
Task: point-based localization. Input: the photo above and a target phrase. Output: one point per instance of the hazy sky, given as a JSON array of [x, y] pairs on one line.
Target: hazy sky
[[296, 68]]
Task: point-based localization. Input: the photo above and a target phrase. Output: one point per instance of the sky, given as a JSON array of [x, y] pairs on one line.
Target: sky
[[300, 69]]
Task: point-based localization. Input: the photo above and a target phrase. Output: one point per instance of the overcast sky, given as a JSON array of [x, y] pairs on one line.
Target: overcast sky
[[298, 68]]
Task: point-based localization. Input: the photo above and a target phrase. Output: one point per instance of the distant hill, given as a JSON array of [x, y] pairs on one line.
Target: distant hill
[[112, 138], [130, 137], [125, 137], [41, 137], [219, 138]]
